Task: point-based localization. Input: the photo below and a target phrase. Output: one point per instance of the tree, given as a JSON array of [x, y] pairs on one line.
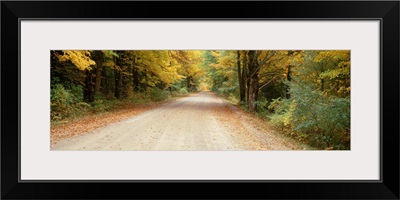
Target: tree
[[240, 71], [223, 72], [257, 60], [98, 57], [327, 70], [83, 61], [80, 58], [317, 109], [254, 67], [189, 66], [335, 79]]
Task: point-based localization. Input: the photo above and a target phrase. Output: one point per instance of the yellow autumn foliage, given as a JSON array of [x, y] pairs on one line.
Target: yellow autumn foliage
[[80, 58]]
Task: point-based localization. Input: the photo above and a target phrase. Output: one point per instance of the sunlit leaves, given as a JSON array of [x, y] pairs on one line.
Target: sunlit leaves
[[160, 64], [80, 58], [224, 68]]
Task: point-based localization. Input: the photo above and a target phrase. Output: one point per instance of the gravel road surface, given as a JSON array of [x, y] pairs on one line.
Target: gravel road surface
[[201, 121]]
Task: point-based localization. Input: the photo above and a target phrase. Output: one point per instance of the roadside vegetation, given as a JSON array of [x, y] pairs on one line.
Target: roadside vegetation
[[91, 82], [303, 94]]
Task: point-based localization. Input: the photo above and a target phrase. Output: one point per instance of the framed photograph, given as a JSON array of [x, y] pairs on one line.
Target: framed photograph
[[264, 99]]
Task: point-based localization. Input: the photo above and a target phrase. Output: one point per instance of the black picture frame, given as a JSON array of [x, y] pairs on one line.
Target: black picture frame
[[386, 11]]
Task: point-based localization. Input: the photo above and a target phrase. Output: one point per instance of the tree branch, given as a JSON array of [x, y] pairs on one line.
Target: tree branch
[[263, 62], [267, 83]]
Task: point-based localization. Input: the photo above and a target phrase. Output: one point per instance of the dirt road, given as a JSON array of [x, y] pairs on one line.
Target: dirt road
[[200, 121]]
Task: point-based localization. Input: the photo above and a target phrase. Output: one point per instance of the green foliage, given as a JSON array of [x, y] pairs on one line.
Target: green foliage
[[227, 91], [157, 94], [317, 111], [262, 106], [281, 119], [66, 103], [183, 91], [222, 71], [313, 117], [103, 104], [179, 88], [327, 70]]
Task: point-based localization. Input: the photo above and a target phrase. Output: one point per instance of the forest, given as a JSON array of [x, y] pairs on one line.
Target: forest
[[303, 94]]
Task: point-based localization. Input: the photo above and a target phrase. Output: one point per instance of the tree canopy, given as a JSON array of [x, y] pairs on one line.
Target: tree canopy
[[304, 93]]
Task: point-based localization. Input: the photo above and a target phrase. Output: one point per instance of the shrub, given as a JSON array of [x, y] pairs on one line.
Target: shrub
[[138, 98], [234, 99], [183, 91], [156, 94], [102, 104], [226, 91], [65, 103], [262, 107], [282, 115], [311, 116], [76, 91]]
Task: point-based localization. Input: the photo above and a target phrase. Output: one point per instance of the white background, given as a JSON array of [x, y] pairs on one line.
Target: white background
[[39, 37]]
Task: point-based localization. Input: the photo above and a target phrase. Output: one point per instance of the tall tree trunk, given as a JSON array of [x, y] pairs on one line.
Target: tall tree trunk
[[99, 67], [135, 80], [245, 75], [289, 74], [97, 85], [88, 92], [240, 77], [143, 86], [253, 93], [253, 81], [125, 83], [135, 74], [288, 78], [188, 84], [104, 81], [117, 78]]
